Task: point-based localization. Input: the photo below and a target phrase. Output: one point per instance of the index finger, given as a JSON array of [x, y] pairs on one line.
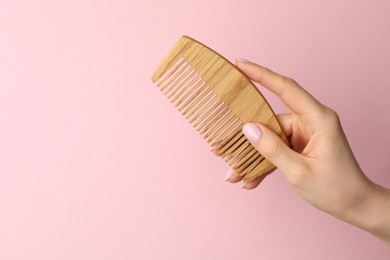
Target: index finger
[[296, 98]]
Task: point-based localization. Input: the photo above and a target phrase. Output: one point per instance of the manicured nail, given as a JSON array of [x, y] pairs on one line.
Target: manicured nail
[[252, 132], [243, 60], [243, 186], [214, 152], [228, 174]]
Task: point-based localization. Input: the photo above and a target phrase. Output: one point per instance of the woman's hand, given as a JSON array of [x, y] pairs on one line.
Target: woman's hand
[[318, 162]]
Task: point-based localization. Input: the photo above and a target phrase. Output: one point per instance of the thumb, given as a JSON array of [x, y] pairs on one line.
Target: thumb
[[272, 147]]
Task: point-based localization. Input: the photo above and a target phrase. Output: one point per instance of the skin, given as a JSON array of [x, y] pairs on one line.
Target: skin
[[318, 161]]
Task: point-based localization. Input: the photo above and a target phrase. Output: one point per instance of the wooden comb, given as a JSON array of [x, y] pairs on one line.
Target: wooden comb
[[217, 99]]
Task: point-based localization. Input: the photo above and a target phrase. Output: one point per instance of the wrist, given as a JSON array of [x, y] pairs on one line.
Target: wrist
[[379, 214], [371, 211]]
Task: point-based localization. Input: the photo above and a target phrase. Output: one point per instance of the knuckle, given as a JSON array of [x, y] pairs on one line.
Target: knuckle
[[262, 74], [289, 84], [290, 81], [297, 180], [332, 117], [331, 113], [267, 71], [299, 175], [328, 118]]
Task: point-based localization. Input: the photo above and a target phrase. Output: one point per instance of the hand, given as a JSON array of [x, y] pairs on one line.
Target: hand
[[318, 161]]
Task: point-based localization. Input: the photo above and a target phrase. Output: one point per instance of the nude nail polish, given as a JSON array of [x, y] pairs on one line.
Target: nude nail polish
[[243, 60], [228, 174], [252, 132]]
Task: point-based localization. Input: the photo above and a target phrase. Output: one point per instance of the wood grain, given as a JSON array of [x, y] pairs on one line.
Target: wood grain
[[217, 99]]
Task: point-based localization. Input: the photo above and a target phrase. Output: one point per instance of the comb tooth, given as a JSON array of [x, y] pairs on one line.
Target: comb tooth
[[217, 134], [213, 119], [235, 155], [221, 146], [170, 72], [182, 80], [185, 88], [228, 115], [190, 92], [216, 123], [244, 160], [247, 166], [244, 156], [222, 141], [202, 107], [179, 70], [179, 76], [195, 98], [234, 136], [209, 113], [197, 109], [233, 147], [197, 102], [258, 170], [226, 130], [189, 95], [189, 80], [205, 109], [194, 92], [231, 144]]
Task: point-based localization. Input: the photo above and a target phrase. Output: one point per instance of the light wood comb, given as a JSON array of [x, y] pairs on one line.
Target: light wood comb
[[217, 99]]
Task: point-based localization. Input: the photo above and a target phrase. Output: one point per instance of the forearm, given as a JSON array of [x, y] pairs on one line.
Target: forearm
[[372, 214]]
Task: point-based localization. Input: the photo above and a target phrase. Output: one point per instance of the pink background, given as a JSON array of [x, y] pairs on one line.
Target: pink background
[[95, 163]]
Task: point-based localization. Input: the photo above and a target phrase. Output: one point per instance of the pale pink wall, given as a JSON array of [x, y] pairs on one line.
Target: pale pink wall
[[96, 164]]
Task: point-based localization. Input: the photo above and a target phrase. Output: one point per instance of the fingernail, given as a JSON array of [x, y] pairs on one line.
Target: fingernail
[[243, 60], [214, 152], [228, 174], [252, 132], [243, 186]]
